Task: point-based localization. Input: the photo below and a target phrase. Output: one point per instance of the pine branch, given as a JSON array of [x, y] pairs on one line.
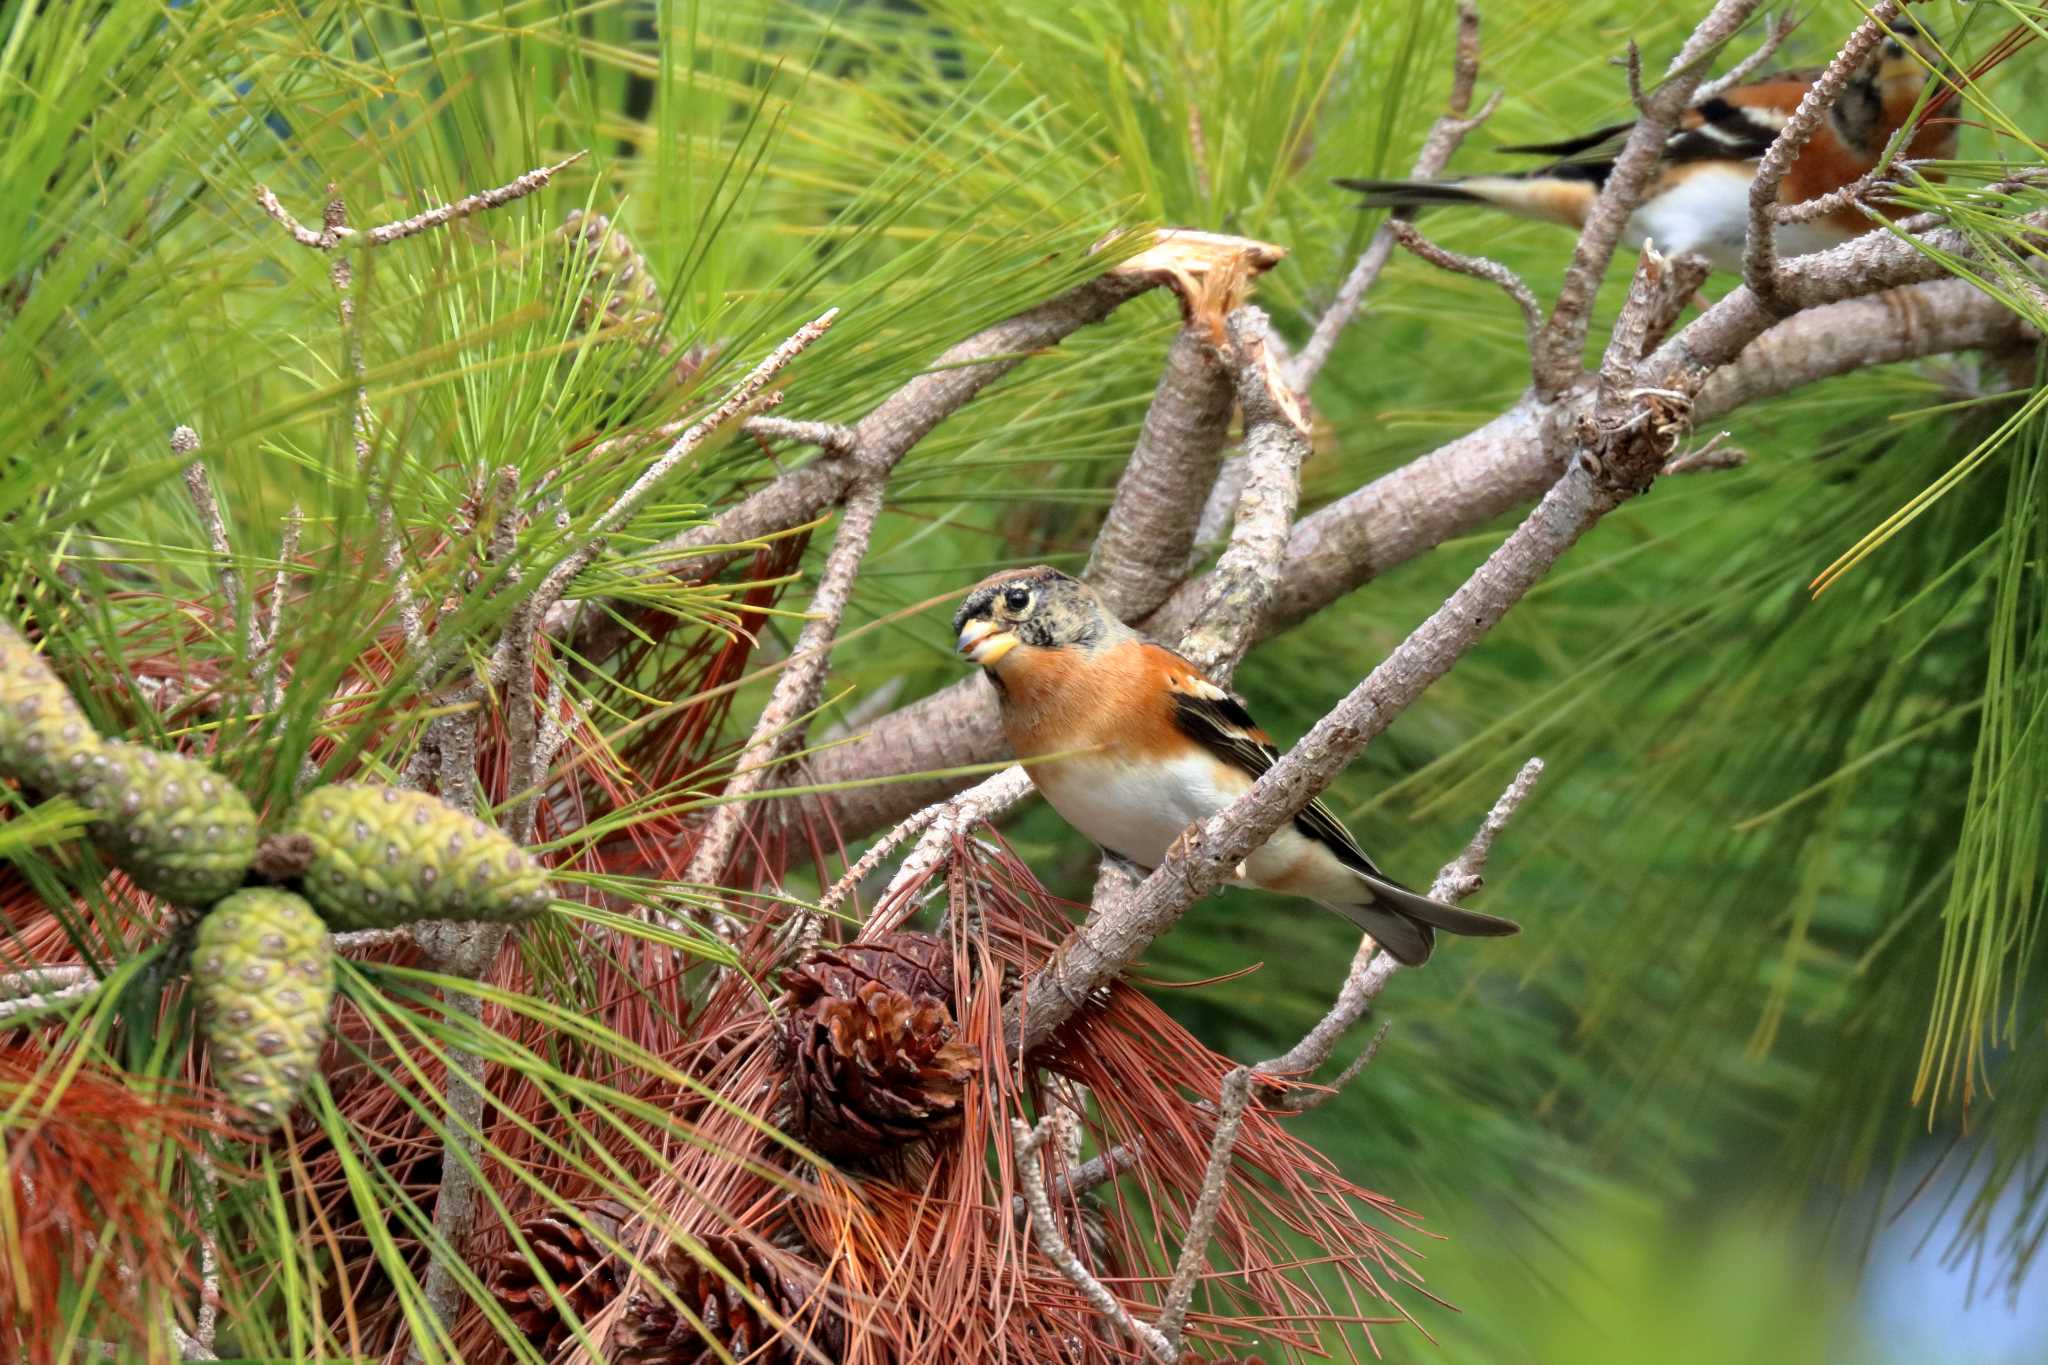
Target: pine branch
[[1026, 1142], [1618, 453], [1848, 322], [1555, 364], [799, 688], [1142, 548], [1760, 244], [1371, 970]]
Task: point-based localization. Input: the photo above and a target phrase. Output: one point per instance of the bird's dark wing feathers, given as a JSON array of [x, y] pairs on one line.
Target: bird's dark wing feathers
[[1220, 724], [1726, 132]]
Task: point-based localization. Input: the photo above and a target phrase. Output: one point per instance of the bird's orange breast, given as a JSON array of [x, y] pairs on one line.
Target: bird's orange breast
[[1106, 700]]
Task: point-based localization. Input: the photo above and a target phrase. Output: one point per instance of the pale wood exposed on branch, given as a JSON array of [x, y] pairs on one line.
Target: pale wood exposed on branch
[[1275, 445]]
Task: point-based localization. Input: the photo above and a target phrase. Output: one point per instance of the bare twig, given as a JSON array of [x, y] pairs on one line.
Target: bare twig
[[1556, 362], [1713, 454], [185, 441], [1045, 1231], [341, 274], [1777, 28], [29, 1005], [1444, 137], [1275, 444], [1479, 268], [1631, 61], [1194, 1247], [833, 438], [798, 690], [464, 950], [268, 653], [1371, 970], [332, 233], [942, 824], [864, 867], [735, 402]]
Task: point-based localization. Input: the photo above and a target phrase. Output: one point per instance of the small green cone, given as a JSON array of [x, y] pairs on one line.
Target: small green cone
[[45, 739], [263, 972], [383, 857], [176, 826]]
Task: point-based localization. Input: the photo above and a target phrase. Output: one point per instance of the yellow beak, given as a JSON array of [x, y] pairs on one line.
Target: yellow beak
[[984, 644]]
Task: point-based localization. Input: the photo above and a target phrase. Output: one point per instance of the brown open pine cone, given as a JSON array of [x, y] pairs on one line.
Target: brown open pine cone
[[799, 1327], [870, 1058]]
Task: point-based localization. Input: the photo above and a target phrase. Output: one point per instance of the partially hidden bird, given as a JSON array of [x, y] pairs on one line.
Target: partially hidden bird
[[1131, 744], [1699, 198]]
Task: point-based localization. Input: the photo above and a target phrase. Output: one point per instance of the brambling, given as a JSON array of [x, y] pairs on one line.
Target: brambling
[[1699, 201], [1132, 745]]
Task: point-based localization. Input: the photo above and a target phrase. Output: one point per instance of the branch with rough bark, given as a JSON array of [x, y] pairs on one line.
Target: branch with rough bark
[[1371, 970], [1875, 301], [877, 442], [1556, 361], [1618, 449]]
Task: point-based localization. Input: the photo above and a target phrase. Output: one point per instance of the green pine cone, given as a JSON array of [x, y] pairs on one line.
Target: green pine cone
[[263, 972], [174, 825], [384, 857], [45, 740]]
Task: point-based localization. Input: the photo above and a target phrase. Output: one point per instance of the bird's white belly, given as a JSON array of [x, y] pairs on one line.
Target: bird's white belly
[[1136, 810], [1708, 213]]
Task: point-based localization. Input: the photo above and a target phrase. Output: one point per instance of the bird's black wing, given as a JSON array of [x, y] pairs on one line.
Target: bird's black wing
[[1218, 721]]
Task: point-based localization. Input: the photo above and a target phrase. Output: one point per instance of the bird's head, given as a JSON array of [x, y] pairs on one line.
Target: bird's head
[[1036, 608], [1907, 56]]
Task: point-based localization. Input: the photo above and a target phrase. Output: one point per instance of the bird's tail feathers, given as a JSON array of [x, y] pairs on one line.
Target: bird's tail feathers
[[1410, 194], [1452, 919], [1405, 922], [1545, 196], [1410, 941]]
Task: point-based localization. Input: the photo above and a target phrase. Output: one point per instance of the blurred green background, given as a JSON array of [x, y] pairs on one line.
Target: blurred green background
[[1784, 870]]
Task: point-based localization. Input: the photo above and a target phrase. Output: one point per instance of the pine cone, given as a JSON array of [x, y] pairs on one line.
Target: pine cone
[[575, 1262], [263, 971], [620, 284], [382, 857], [175, 826], [804, 1328], [871, 1063], [45, 739], [919, 965]]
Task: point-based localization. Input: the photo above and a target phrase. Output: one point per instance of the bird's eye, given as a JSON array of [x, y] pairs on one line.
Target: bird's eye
[[1894, 49], [1017, 600]]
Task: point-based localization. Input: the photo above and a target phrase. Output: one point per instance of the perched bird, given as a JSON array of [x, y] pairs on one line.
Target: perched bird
[[1699, 200], [1131, 745]]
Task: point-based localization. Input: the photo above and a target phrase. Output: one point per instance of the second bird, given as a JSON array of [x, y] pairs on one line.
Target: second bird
[[1699, 199], [1131, 745]]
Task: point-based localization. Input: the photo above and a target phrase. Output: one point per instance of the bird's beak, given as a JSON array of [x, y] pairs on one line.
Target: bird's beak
[[984, 644]]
